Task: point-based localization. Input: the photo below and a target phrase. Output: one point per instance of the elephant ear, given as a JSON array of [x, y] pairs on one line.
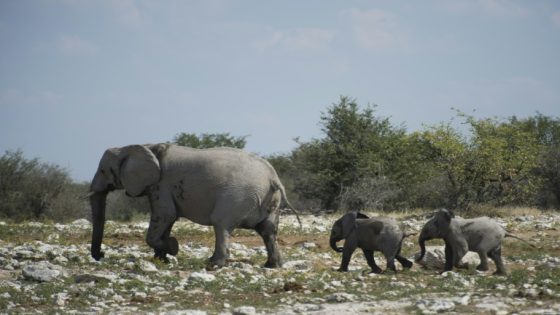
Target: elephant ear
[[139, 169], [362, 216], [443, 218], [348, 223], [447, 214]]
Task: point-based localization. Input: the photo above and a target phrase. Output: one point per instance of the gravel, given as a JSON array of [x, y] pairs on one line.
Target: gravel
[[57, 274]]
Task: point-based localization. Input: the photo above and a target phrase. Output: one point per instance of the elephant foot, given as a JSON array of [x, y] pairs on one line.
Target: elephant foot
[[407, 264], [376, 270], [482, 268], [172, 246], [215, 263], [386, 271], [444, 271], [500, 273], [342, 269], [463, 266], [276, 264], [162, 257], [98, 255]]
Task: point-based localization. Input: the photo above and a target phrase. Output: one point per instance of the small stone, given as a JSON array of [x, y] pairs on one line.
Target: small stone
[[297, 265], [147, 266], [201, 276], [80, 223], [61, 298], [435, 258], [442, 306], [340, 297], [42, 271], [309, 245], [244, 310], [139, 296]]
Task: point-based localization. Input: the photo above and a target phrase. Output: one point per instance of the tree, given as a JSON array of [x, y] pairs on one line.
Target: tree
[[207, 140], [357, 145], [447, 151]]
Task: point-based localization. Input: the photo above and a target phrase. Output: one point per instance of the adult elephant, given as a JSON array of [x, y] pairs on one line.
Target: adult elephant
[[222, 187]]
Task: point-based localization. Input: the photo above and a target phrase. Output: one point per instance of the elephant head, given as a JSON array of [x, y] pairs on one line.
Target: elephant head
[[436, 227], [342, 228], [133, 168]]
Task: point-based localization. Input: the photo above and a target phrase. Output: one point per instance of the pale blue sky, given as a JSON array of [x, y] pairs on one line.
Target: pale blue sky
[[77, 77]]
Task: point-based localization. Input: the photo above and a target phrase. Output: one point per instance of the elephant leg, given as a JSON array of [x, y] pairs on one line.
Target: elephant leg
[[404, 262], [448, 257], [460, 251], [347, 252], [407, 264], [162, 219], [496, 256], [371, 261], [268, 230], [221, 249], [457, 260], [160, 253], [483, 266], [391, 264]]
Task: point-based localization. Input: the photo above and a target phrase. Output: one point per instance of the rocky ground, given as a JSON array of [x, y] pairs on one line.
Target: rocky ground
[[47, 268]]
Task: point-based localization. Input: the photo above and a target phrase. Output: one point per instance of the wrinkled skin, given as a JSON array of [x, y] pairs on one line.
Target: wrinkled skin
[[369, 234], [222, 187], [481, 235]]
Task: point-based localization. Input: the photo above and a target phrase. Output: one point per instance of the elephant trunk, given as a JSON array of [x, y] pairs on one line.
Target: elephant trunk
[[97, 201], [333, 242]]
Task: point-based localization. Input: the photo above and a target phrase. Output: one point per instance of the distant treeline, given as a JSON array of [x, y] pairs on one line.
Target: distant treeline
[[361, 162]]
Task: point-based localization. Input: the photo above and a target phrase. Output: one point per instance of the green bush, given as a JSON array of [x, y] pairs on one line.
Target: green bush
[[207, 140], [28, 188], [365, 161]]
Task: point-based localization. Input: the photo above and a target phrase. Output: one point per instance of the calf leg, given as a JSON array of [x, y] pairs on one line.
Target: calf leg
[[404, 262], [483, 266], [496, 256], [371, 261], [347, 252], [391, 264], [448, 257], [268, 230]]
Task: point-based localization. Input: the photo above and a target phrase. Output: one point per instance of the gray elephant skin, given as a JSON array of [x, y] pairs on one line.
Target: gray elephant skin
[[481, 235], [221, 187], [370, 234]]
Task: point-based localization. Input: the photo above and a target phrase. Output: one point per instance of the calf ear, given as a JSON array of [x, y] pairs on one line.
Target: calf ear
[[348, 223], [447, 214], [362, 216]]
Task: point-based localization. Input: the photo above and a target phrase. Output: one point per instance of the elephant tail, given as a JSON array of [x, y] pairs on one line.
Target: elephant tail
[[519, 238], [277, 185]]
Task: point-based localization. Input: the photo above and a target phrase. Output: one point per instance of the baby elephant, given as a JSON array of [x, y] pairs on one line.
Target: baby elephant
[[482, 235], [369, 234]]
